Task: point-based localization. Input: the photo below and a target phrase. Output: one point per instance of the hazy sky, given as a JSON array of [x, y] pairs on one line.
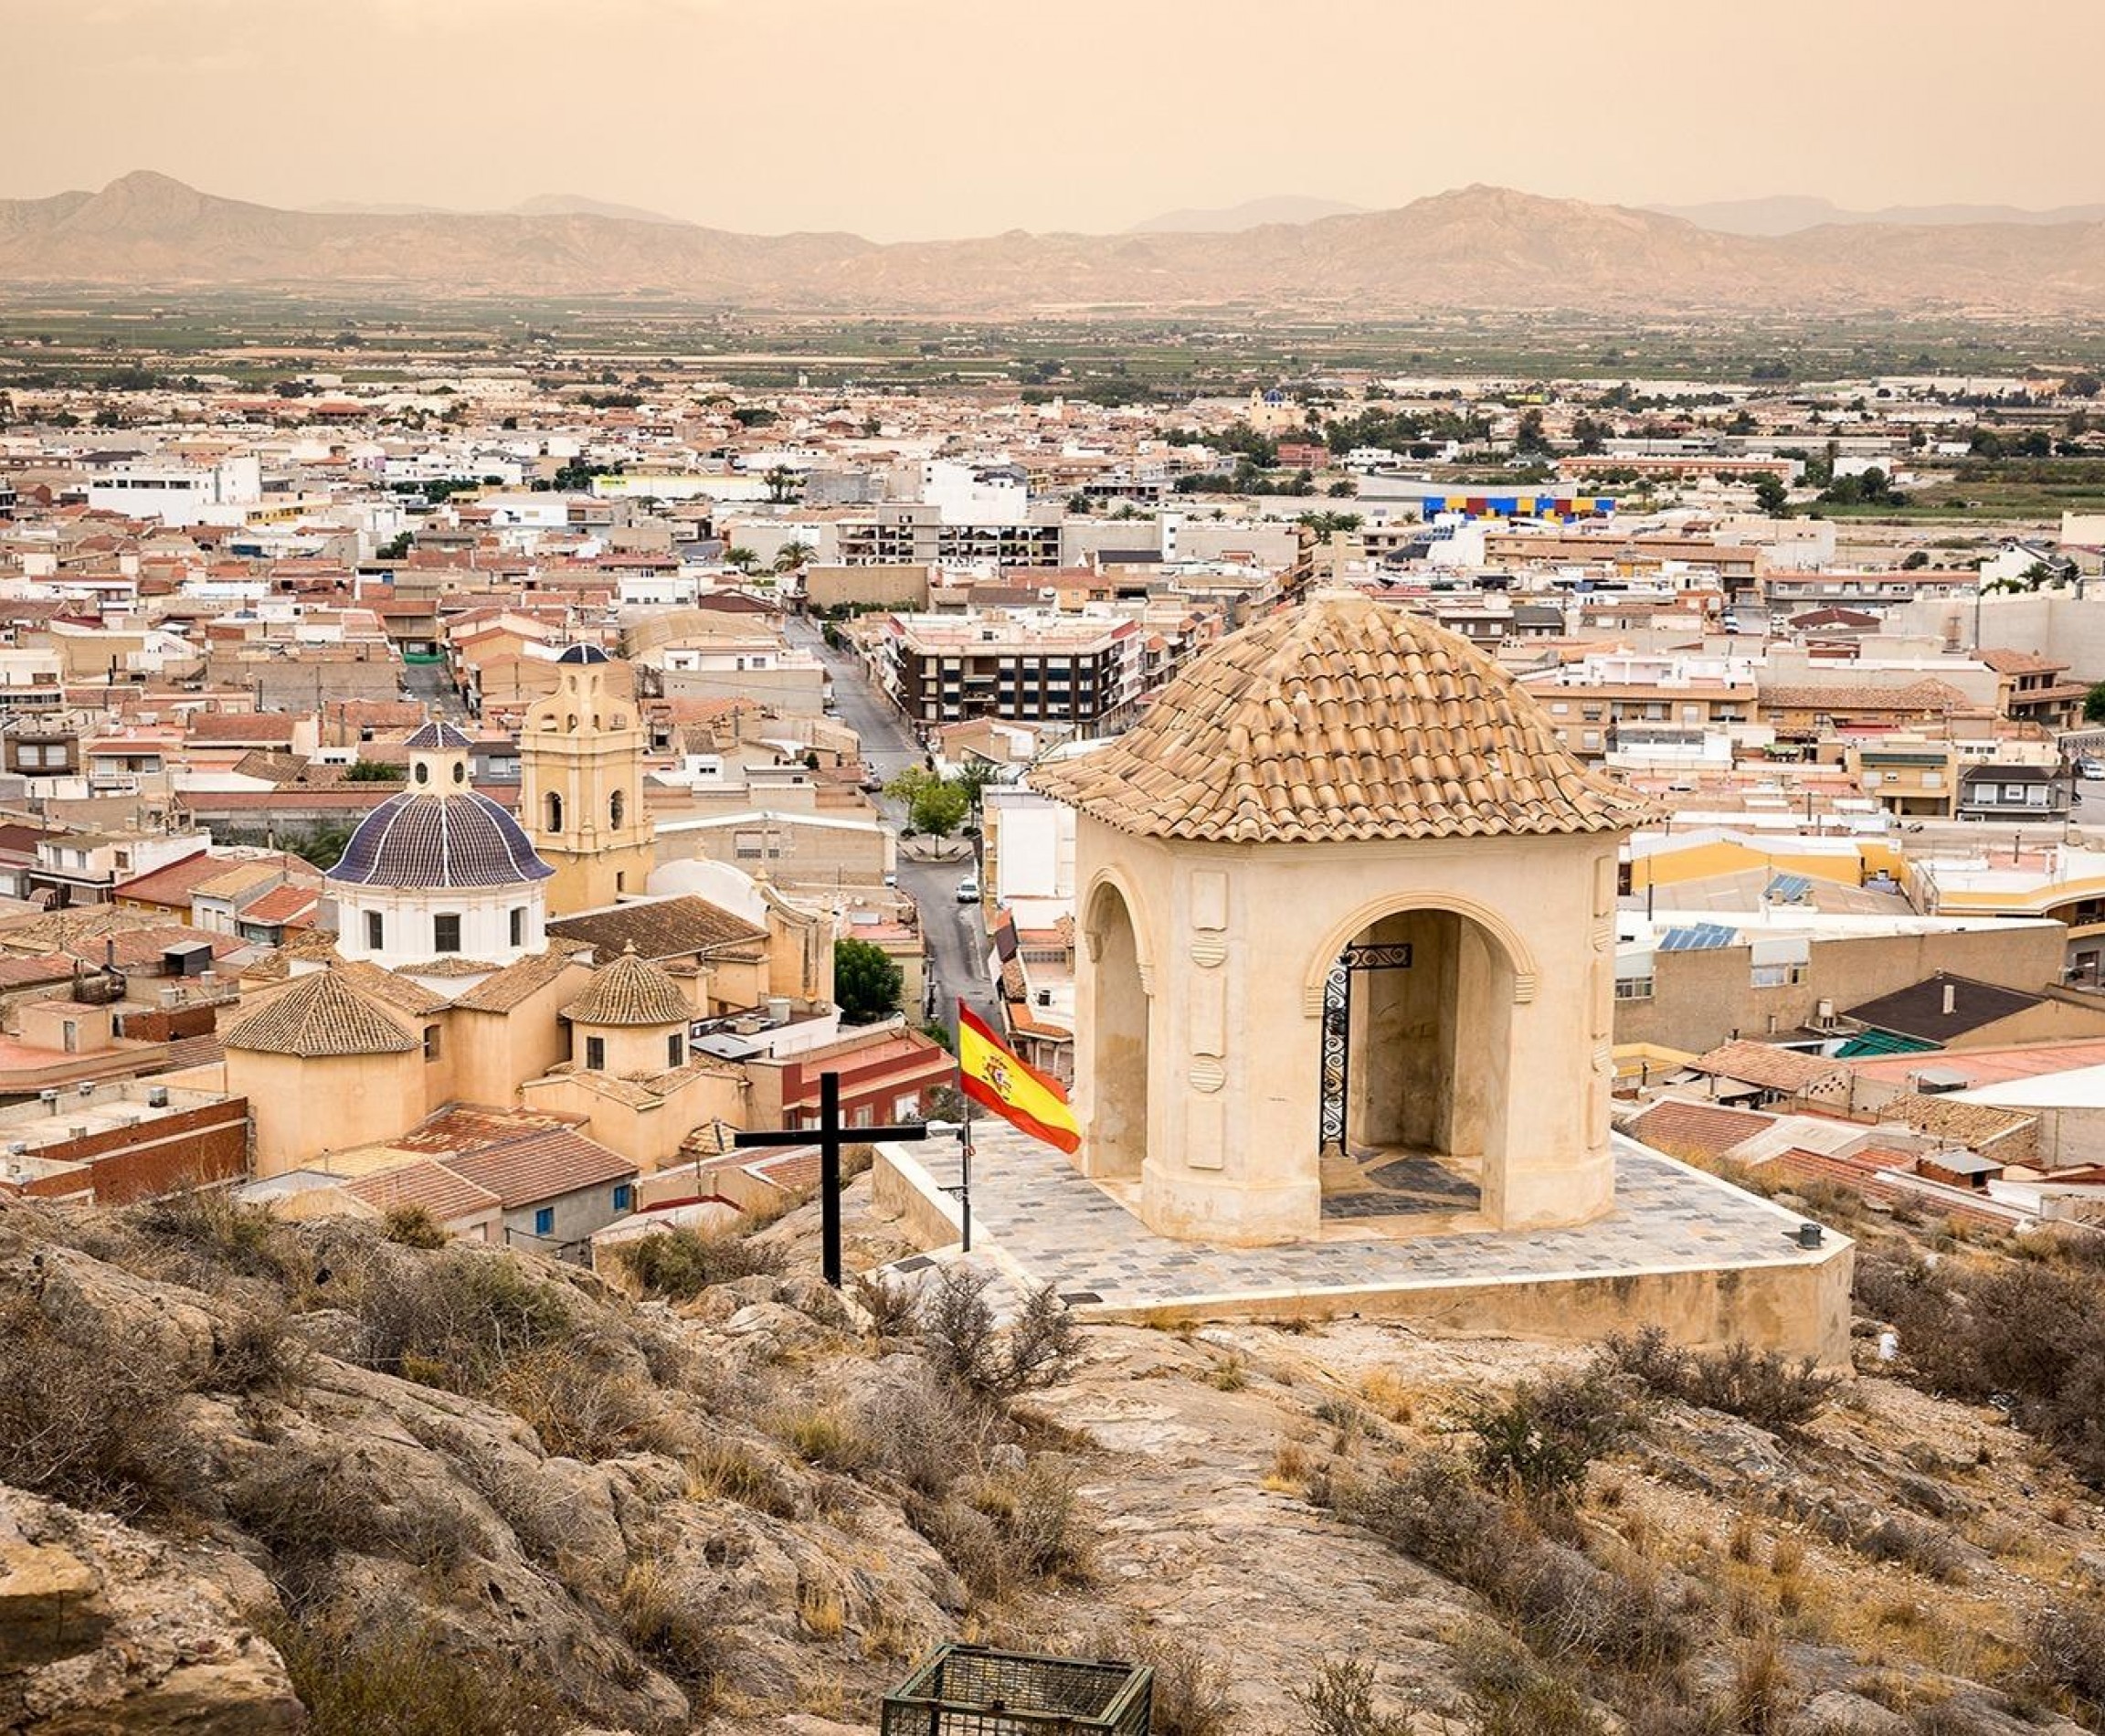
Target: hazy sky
[[901, 118]]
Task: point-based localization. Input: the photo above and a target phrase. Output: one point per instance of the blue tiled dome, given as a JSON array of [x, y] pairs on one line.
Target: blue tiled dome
[[463, 838], [582, 654]]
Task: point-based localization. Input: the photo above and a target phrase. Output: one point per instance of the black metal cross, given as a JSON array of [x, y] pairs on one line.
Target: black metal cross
[[830, 1136]]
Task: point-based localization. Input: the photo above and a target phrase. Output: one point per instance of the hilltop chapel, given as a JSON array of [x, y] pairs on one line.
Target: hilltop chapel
[[1349, 911]]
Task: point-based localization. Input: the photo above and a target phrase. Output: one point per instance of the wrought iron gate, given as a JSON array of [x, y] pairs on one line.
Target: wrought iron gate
[[1334, 1093]]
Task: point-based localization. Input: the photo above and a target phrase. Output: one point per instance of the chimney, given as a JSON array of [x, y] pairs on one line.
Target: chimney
[[1950, 999]]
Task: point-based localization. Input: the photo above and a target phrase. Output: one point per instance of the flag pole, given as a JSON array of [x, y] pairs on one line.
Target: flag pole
[[964, 1155]]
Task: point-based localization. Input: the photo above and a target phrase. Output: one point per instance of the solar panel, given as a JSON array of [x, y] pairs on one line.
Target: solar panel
[[1788, 888], [1703, 936]]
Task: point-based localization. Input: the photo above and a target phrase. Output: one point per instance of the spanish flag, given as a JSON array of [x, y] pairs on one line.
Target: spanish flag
[[1013, 1089]]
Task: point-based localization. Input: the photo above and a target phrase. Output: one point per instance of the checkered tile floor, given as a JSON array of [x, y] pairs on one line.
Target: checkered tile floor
[[1039, 1218]]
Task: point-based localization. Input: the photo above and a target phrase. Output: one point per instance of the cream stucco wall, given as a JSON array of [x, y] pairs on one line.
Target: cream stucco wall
[[305, 1106], [1233, 945]]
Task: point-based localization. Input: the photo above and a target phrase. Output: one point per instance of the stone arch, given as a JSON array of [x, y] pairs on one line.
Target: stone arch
[[552, 811], [1340, 934], [1418, 1073], [1136, 911], [1116, 1021], [617, 808]]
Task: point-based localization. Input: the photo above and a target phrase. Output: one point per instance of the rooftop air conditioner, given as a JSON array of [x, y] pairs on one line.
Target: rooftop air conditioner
[[156, 1096], [48, 1096], [87, 1088]]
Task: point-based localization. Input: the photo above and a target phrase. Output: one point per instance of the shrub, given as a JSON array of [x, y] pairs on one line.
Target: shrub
[[358, 1682], [924, 1432], [1765, 1389], [678, 1265], [1542, 1440], [1193, 1694], [726, 1470], [2065, 1652], [1042, 1522], [214, 1229], [1338, 1701], [1924, 1547], [821, 1434], [668, 1624], [580, 1407], [88, 1415], [257, 1352], [1040, 1349], [413, 1226], [894, 1310], [455, 1318]]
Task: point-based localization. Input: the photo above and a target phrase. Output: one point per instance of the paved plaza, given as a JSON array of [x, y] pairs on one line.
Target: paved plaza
[[1037, 1217]]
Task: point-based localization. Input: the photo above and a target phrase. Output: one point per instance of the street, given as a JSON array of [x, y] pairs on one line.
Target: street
[[956, 935]]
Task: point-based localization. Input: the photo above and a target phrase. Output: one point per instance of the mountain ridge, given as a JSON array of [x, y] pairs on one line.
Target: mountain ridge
[[1473, 246]]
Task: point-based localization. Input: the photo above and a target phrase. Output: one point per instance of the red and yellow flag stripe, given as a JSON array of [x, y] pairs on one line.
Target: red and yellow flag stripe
[[1010, 1087]]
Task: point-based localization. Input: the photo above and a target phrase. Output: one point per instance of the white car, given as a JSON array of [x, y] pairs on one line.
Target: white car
[[969, 891]]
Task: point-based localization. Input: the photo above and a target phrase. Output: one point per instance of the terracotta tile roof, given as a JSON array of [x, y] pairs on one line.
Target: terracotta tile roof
[[287, 904], [516, 983], [1677, 1127], [658, 928], [21, 973], [446, 1195], [541, 1166], [172, 885], [1343, 720], [630, 992], [1922, 696], [319, 1014], [390, 987], [2019, 662], [1773, 1069], [1976, 1125]]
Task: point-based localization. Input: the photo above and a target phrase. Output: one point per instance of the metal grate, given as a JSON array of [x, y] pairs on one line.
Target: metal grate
[[968, 1691]]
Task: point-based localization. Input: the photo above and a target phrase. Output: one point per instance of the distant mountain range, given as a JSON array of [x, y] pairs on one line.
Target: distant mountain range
[[540, 204], [1232, 219], [1789, 213], [1479, 247]]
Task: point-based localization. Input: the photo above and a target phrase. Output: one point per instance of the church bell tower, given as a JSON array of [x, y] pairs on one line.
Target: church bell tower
[[581, 785]]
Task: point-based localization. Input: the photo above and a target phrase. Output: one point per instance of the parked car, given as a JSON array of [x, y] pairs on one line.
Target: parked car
[[968, 890], [2090, 769]]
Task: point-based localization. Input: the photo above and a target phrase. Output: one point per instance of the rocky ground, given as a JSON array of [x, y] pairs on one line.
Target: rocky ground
[[259, 1477]]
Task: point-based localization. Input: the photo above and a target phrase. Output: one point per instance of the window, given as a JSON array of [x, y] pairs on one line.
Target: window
[[624, 1198], [431, 1042], [446, 932], [616, 807], [1633, 988], [675, 1049], [553, 806], [545, 1220], [376, 931], [865, 1116], [518, 925], [423, 771], [596, 1054]]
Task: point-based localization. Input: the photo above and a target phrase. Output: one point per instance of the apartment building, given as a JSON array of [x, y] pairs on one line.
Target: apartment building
[[1085, 671], [916, 534], [1621, 702]]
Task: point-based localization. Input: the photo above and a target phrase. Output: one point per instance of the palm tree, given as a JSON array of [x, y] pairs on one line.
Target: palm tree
[[742, 558], [792, 555]]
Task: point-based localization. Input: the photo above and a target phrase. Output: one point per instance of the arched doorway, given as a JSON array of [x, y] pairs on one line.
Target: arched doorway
[[1415, 1061], [1116, 1034]]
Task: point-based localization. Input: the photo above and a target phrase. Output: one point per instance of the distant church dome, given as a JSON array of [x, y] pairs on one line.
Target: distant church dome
[[424, 840], [583, 654]]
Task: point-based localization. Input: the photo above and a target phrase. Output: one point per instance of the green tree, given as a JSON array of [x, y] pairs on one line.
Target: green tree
[[2094, 704], [1772, 496], [742, 558], [936, 806], [783, 483], [2081, 386], [398, 548], [374, 771], [866, 982], [793, 554], [1529, 439]]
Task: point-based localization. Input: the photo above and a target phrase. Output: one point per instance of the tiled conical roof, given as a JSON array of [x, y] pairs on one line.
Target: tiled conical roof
[[320, 1014], [630, 992], [438, 735], [1345, 720], [461, 839]]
